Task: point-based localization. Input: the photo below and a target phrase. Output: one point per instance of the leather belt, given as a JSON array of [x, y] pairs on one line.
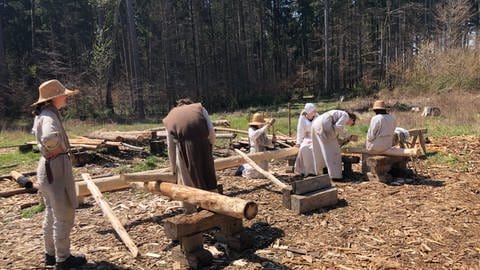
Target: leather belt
[[48, 169]]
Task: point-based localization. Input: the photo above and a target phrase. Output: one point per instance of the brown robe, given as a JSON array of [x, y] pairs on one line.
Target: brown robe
[[187, 125]]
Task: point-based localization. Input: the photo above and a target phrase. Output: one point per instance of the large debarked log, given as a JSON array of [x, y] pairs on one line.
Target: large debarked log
[[233, 207]]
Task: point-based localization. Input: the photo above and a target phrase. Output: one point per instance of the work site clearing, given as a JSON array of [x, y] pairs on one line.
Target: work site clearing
[[428, 221]]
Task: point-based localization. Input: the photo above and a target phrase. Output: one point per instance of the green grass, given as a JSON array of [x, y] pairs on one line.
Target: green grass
[[31, 211], [150, 163], [23, 160]]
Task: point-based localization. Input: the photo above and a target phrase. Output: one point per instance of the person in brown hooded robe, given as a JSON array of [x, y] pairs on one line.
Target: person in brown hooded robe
[[190, 138]]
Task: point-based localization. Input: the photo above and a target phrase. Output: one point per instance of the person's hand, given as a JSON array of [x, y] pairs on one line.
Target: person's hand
[[274, 138]]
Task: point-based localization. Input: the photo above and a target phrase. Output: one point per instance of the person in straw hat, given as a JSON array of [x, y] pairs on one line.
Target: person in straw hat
[[257, 137], [190, 138], [381, 130], [326, 147], [304, 163], [54, 174]]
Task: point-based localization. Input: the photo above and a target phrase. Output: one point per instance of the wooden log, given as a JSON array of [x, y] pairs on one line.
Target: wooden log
[[8, 176], [97, 195], [397, 152], [262, 171], [8, 193], [233, 207], [21, 179], [224, 163], [222, 122]]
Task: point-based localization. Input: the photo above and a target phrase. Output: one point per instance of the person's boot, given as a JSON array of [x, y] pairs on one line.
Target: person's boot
[[71, 262], [49, 260]]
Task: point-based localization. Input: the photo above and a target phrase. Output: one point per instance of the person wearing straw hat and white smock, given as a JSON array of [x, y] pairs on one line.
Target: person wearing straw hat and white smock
[[326, 149], [381, 130], [257, 137], [54, 175], [304, 163]]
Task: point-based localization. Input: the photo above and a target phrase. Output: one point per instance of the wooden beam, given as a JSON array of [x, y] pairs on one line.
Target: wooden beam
[[148, 177], [314, 200], [97, 195], [262, 171], [231, 130], [311, 184], [396, 152], [224, 163], [184, 225], [233, 207]]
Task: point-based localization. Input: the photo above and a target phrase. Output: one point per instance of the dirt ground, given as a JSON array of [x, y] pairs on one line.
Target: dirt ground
[[429, 221]]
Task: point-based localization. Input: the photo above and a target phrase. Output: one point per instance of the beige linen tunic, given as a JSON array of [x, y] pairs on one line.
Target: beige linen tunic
[[326, 150], [258, 142], [60, 195], [380, 133]]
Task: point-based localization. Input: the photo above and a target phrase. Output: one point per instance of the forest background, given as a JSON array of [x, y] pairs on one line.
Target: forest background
[[133, 59]]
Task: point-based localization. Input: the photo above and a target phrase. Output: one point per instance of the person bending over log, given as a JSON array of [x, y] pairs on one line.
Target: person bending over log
[[380, 135], [190, 138], [54, 174], [326, 148], [257, 137], [304, 163]]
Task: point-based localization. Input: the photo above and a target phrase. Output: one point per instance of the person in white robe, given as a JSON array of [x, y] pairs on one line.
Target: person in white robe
[[326, 129], [304, 163]]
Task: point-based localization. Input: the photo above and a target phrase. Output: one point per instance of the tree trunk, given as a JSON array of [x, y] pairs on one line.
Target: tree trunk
[[136, 77], [4, 88]]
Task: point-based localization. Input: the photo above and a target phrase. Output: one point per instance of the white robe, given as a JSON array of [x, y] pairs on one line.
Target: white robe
[[304, 164], [258, 142], [326, 150], [380, 133]]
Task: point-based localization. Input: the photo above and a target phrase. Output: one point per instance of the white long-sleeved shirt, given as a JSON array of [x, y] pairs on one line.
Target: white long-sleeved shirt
[[380, 132]]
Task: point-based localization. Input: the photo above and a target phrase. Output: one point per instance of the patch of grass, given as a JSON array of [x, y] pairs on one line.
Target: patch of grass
[[31, 211], [24, 160], [443, 158], [150, 163]]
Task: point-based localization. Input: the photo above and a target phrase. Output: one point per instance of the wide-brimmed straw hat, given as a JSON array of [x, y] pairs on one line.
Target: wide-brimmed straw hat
[[379, 105], [257, 119], [52, 89]]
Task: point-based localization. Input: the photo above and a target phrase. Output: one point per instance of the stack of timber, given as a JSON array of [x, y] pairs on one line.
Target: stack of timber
[[310, 194], [122, 136]]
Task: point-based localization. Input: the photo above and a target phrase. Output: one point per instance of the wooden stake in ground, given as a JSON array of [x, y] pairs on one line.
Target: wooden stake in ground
[[262, 171], [109, 213]]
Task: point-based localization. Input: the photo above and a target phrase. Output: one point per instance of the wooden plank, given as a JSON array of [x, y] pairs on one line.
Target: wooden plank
[[185, 225], [314, 200], [262, 171], [11, 192], [148, 177], [311, 184], [107, 210]]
